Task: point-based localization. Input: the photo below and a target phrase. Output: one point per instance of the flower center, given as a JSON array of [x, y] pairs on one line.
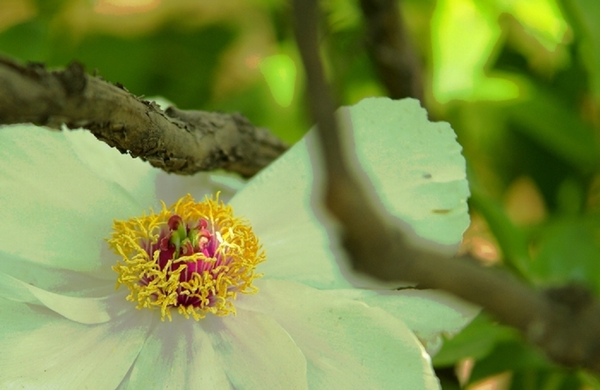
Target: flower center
[[192, 256]]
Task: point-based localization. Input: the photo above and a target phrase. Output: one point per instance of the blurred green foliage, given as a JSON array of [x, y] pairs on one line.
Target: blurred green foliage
[[519, 80]]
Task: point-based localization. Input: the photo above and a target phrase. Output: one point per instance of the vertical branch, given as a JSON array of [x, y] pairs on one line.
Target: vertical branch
[[320, 100], [390, 49], [344, 197], [565, 325]]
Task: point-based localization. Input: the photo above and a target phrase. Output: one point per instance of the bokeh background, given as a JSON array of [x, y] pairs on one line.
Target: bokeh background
[[519, 80]]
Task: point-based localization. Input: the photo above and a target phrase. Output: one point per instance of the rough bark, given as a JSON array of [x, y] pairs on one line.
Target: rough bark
[[177, 141]]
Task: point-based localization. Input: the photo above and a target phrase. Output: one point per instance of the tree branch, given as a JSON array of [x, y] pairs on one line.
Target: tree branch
[[183, 142], [565, 325], [390, 50]]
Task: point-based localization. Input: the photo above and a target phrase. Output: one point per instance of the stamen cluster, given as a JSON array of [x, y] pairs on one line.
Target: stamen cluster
[[195, 257]]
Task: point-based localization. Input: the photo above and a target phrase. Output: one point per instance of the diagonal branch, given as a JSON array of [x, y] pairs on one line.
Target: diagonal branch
[[183, 142], [564, 322]]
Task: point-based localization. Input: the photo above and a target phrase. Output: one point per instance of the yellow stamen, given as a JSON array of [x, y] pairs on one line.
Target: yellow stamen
[[166, 283]]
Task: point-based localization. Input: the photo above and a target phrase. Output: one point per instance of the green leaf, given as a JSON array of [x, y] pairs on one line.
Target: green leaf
[[28, 41], [173, 62], [280, 73], [506, 356], [477, 340], [558, 129], [460, 59], [544, 379], [584, 15], [568, 250]]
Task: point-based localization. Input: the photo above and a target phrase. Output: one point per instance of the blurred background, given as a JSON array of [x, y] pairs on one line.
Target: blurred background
[[519, 80]]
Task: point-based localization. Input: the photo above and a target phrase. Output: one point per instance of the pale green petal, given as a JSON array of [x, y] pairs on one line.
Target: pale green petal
[[56, 211], [347, 344], [57, 280], [41, 350], [256, 352], [177, 355], [429, 314], [415, 166], [277, 204], [132, 174], [15, 290], [86, 310], [170, 188]]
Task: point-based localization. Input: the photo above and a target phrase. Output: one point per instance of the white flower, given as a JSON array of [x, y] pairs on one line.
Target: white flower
[[64, 326]]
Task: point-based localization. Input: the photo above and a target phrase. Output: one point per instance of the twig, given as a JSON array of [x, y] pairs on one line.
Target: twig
[[183, 142], [390, 50], [568, 330]]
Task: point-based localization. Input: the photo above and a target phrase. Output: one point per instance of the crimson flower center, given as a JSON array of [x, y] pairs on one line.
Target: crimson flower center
[[193, 257]]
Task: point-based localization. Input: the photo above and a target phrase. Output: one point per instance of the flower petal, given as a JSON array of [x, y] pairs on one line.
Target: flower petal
[[277, 202], [177, 355], [429, 314], [15, 290], [132, 174], [255, 352], [347, 344], [57, 280], [85, 310], [415, 166], [55, 210], [170, 188], [42, 350]]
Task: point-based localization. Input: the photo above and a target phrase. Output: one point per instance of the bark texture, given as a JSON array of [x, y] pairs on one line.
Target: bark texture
[[177, 141]]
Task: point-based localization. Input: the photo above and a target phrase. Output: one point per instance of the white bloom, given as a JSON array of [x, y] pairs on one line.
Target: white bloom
[[64, 326]]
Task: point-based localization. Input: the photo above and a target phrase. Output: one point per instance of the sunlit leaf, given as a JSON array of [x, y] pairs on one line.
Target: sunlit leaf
[[280, 73], [542, 18], [460, 58], [476, 341]]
